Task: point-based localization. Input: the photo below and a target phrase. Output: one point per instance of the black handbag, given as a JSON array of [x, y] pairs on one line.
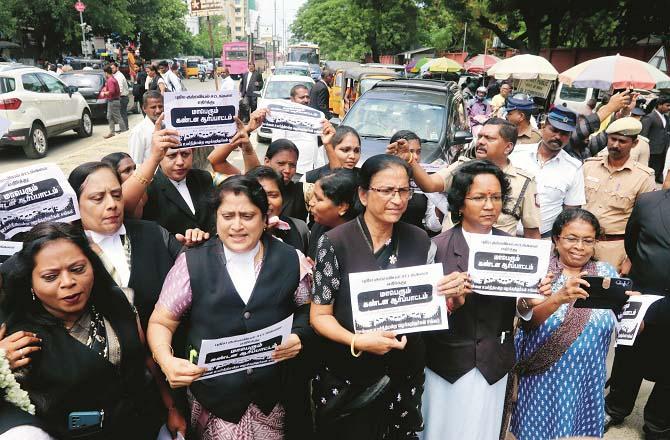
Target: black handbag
[[334, 398]]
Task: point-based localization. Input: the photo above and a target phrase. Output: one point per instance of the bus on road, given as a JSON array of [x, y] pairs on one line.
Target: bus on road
[[304, 52], [235, 56]]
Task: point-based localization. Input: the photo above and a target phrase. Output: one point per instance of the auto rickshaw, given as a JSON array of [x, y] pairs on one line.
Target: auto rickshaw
[[338, 68], [354, 83]]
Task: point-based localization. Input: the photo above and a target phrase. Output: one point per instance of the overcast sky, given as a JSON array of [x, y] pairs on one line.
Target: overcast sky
[[266, 9]]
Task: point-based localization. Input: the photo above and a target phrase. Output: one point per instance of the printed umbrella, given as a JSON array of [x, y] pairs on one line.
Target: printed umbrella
[[523, 67], [419, 64], [480, 63], [441, 65], [617, 72], [411, 64]]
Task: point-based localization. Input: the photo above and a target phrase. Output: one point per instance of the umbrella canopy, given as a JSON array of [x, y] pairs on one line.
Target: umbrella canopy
[[419, 64], [617, 72], [524, 67], [441, 65], [411, 64], [480, 63], [8, 45]]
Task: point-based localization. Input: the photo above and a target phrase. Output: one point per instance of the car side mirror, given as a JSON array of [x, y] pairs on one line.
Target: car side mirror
[[335, 122], [462, 137], [71, 89]]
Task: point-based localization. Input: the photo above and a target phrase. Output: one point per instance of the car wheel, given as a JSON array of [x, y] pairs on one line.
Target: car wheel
[[36, 145], [85, 125]]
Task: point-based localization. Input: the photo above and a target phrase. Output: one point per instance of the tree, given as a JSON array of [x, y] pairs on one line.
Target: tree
[[350, 29], [54, 24], [220, 35], [161, 27]]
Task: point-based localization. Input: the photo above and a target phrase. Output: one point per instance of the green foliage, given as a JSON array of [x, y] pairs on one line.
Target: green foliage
[[220, 35], [163, 32], [350, 29]]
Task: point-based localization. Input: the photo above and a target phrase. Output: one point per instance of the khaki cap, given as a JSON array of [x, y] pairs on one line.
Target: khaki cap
[[625, 126]]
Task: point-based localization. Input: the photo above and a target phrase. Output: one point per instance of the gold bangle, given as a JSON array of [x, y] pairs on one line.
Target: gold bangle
[[353, 350], [143, 180], [153, 354]]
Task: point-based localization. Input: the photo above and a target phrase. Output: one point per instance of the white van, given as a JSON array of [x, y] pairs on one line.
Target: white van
[[575, 98]]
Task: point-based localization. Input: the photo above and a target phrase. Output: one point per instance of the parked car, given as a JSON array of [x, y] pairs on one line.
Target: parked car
[[39, 106], [434, 110], [278, 88], [11, 66], [90, 83]]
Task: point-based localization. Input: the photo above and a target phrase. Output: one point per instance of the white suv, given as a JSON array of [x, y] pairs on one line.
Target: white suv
[[39, 106]]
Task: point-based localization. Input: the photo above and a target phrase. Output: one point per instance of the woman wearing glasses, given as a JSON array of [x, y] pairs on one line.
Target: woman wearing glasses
[[562, 350], [370, 384], [467, 365]]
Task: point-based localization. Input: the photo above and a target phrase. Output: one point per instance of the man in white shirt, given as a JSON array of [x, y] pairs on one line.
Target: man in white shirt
[[172, 82], [227, 83], [139, 142], [123, 86], [559, 177], [311, 155]]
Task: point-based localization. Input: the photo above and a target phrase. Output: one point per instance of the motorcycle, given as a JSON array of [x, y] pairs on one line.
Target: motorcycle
[[202, 76]]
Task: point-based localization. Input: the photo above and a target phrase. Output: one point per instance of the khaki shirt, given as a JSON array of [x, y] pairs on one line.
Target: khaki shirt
[[527, 210], [611, 193], [529, 136]]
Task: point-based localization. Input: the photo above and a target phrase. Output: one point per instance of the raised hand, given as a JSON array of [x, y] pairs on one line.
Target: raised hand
[[256, 120], [163, 139], [327, 132], [400, 148]]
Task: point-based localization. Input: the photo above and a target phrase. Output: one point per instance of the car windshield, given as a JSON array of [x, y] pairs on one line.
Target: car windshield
[[82, 81], [382, 114], [572, 93], [282, 89], [367, 84], [291, 71]]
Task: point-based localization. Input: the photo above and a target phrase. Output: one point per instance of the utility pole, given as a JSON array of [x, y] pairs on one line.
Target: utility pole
[[283, 24], [274, 36], [211, 48], [465, 35]]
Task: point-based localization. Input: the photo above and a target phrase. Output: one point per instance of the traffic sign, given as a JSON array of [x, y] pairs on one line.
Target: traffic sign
[[80, 7]]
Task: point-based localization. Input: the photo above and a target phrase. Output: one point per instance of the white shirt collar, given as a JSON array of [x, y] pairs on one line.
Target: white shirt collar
[[182, 189], [114, 252], [242, 270], [660, 115]]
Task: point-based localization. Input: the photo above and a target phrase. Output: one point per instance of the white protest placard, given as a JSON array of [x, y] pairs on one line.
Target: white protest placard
[[403, 300], [429, 168], [631, 316], [292, 116], [238, 353], [32, 195], [202, 118], [507, 266], [9, 248]]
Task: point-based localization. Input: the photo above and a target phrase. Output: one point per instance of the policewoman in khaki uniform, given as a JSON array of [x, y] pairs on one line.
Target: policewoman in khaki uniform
[[495, 142], [613, 183]]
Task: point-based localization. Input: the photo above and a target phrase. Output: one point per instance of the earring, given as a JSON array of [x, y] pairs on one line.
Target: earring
[[33, 293], [342, 214]]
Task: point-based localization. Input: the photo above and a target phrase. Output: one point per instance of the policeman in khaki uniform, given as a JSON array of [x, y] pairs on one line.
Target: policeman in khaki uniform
[[613, 184], [495, 142], [519, 111]]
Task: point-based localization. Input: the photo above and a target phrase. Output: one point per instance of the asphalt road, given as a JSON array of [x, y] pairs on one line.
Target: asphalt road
[[67, 151]]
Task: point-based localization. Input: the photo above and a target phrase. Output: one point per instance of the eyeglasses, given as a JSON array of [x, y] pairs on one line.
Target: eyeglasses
[[389, 193], [480, 200], [572, 241]]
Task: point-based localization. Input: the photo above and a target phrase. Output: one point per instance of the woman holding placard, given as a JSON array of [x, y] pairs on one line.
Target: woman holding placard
[[467, 365], [240, 282], [370, 385], [562, 351]]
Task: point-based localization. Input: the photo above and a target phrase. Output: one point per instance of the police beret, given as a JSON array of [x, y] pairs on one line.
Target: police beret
[[625, 126], [562, 118], [519, 102]]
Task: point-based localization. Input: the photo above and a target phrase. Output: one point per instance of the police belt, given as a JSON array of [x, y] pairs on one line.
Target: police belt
[[611, 237]]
